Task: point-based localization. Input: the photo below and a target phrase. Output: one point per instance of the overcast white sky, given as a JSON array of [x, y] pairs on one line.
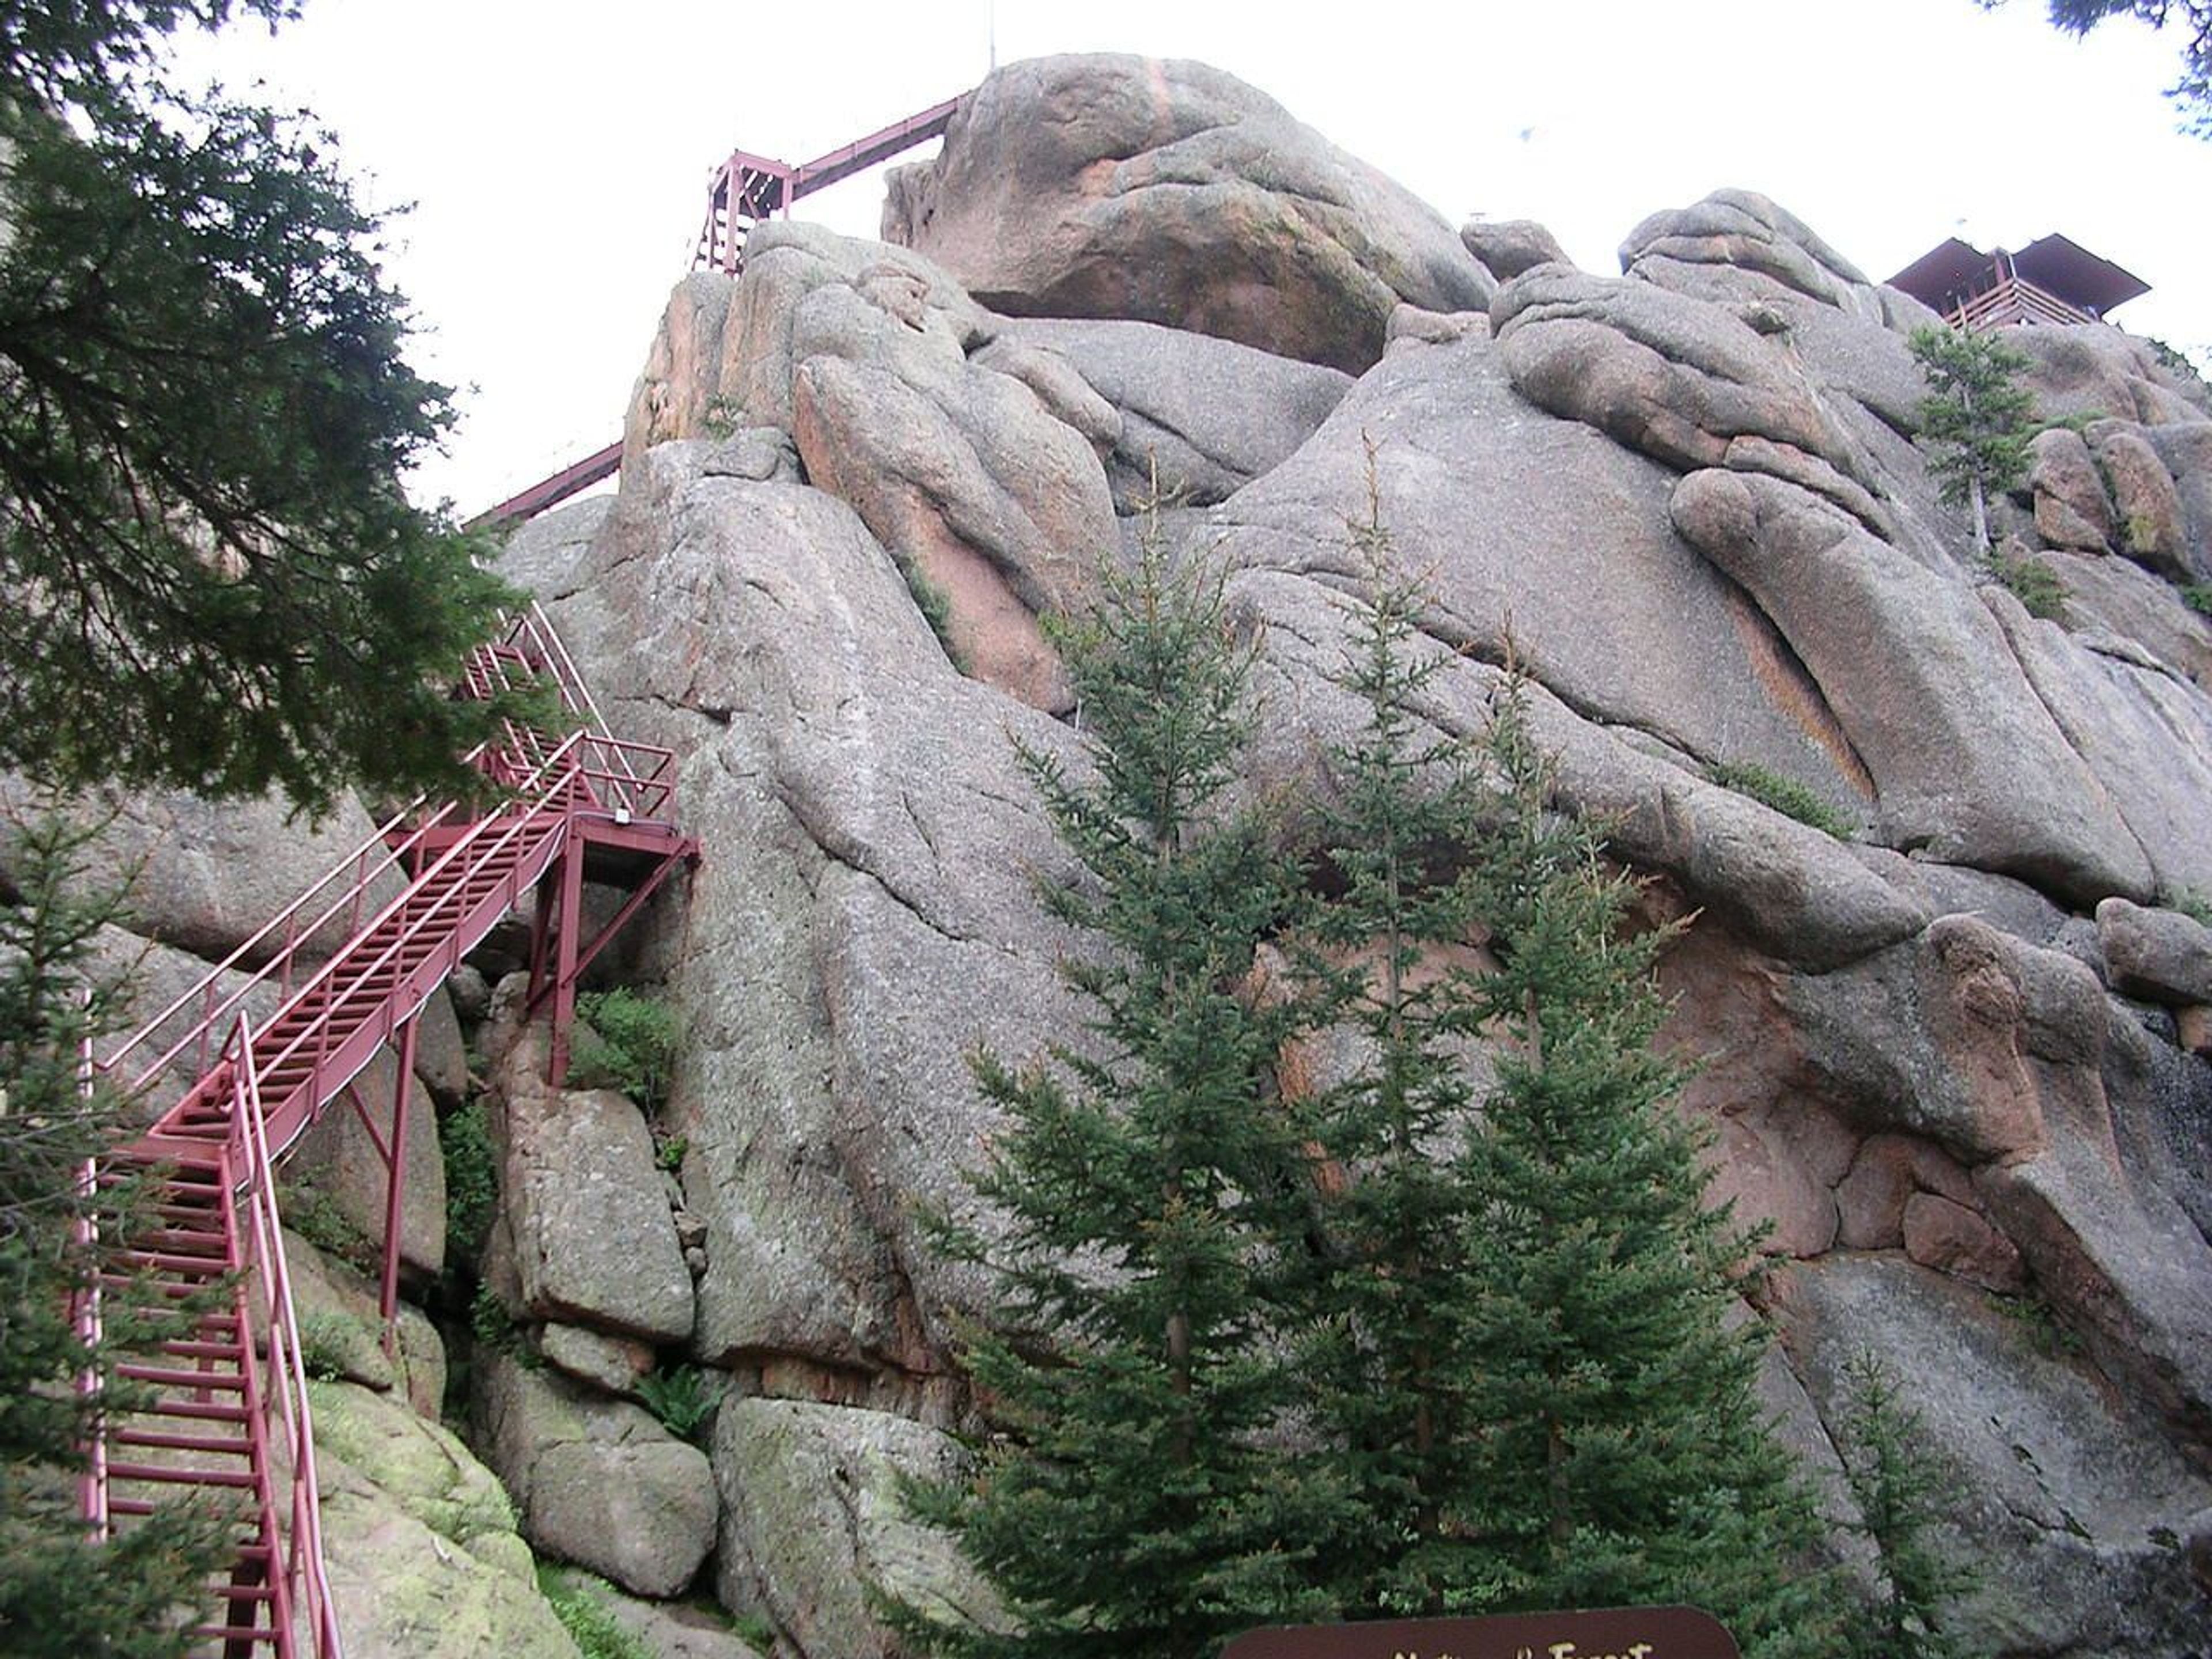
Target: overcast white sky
[[556, 154]]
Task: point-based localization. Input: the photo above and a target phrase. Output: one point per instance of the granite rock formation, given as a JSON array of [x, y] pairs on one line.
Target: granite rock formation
[[1950, 1058]]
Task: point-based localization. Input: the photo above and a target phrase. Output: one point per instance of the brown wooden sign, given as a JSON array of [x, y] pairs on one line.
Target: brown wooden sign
[[1613, 1633]]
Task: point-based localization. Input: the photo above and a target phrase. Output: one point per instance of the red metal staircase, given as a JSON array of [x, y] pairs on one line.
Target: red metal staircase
[[265, 1045]]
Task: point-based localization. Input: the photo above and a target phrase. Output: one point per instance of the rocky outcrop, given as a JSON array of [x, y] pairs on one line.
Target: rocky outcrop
[[420, 1540], [875, 849], [1506, 247], [1170, 192], [1198, 418], [2090, 1534]]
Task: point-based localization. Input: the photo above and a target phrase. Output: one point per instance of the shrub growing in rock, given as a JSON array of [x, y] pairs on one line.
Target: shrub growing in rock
[[1785, 795], [594, 1629], [1896, 1485], [631, 1045], [1975, 422], [471, 1180], [2033, 583], [684, 1399]]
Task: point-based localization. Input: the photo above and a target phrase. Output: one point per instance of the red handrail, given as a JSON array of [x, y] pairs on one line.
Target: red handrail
[[301, 1575]]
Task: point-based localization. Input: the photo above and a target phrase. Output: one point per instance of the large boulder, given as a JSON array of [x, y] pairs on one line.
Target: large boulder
[[599, 1481], [1506, 247], [817, 1533], [980, 474], [1540, 535], [2088, 369], [1737, 243], [585, 1219], [1199, 417], [1967, 761], [2144, 732], [1168, 191], [2152, 526], [1688, 383], [873, 847]]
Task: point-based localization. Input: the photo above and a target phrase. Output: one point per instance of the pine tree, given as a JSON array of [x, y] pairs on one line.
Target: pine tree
[[61, 1594], [1132, 1504], [1975, 420], [1387, 1366], [212, 580], [1623, 1457], [1896, 1485]]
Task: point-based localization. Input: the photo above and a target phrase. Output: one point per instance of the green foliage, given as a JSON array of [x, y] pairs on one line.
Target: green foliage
[[1131, 1504], [328, 1341], [1975, 422], [2192, 93], [2033, 1317], [720, 419], [1896, 1483], [472, 1179], [499, 1331], [1388, 1377], [2192, 901], [1329, 1354], [2197, 596], [755, 1631], [315, 1216], [632, 1045], [2033, 583], [589, 1623], [1623, 1456], [2178, 364], [683, 1400], [670, 1153], [61, 1596], [1785, 795], [215, 580], [936, 607]]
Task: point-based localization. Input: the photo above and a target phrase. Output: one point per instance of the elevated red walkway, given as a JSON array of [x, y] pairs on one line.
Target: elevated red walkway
[[745, 190], [263, 1047]]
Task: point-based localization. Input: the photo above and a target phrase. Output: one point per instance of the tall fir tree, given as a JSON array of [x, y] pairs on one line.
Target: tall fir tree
[[1132, 1504], [61, 1594], [1385, 1361], [1624, 1456]]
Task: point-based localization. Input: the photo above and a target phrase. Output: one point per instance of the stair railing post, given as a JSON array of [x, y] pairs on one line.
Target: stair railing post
[[395, 1193], [301, 1567], [92, 1486]]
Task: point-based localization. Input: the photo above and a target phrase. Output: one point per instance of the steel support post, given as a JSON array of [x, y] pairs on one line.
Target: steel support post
[[566, 945], [395, 1193]]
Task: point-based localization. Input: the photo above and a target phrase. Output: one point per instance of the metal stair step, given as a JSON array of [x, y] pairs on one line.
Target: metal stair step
[[221, 1381], [166, 1475], [212, 1445]]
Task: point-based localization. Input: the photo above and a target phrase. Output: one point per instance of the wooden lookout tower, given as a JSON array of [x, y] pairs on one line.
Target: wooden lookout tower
[[2055, 279]]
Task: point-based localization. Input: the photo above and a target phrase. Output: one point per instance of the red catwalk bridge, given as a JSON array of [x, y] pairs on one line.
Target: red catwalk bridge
[[744, 190], [277, 1036]]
